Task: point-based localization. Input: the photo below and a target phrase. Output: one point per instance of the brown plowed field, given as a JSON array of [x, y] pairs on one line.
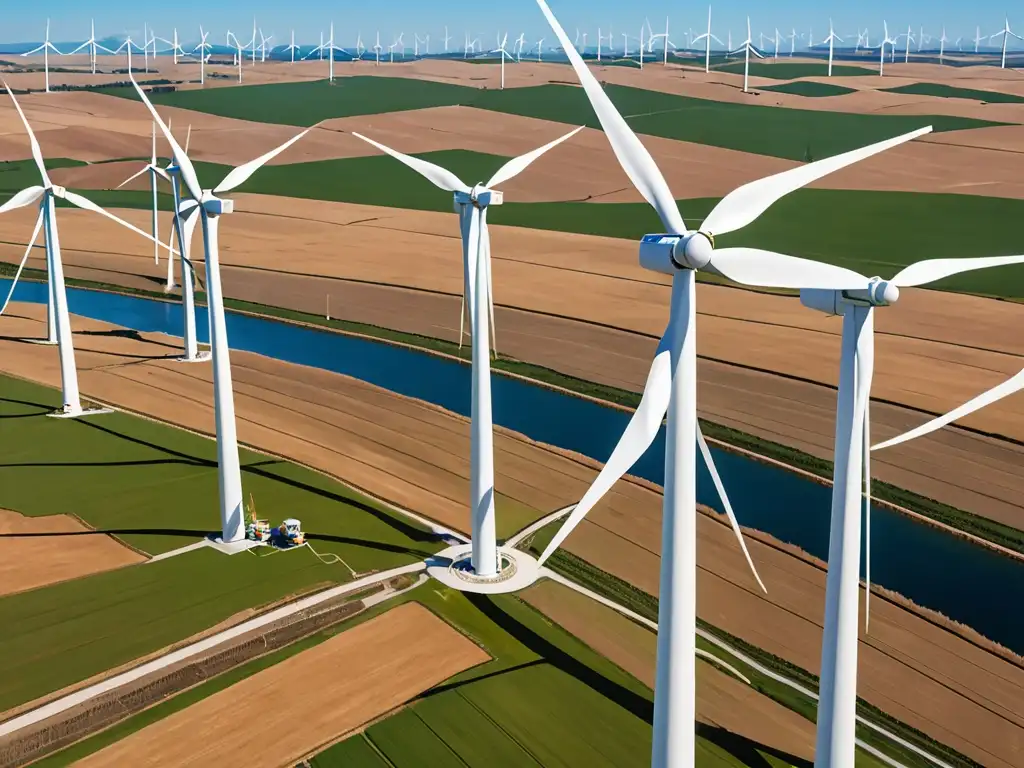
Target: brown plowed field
[[36, 551], [284, 712], [417, 455]]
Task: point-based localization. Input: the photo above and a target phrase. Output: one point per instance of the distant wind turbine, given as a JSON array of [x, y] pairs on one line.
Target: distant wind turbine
[[707, 37], [832, 37], [46, 47]]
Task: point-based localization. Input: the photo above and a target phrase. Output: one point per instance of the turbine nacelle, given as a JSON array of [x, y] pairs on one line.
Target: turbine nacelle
[[480, 196], [879, 293], [670, 253], [216, 206]]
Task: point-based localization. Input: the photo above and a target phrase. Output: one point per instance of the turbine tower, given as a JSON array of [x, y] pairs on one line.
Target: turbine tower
[[46, 47], [832, 37], [472, 204], [207, 204], [707, 37]]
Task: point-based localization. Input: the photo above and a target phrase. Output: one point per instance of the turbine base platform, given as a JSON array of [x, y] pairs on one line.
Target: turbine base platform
[[201, 357], [233, 547], [452, 567], [79, 413]]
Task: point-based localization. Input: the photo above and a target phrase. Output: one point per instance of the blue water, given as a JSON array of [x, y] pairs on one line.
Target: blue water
[[966, 582]]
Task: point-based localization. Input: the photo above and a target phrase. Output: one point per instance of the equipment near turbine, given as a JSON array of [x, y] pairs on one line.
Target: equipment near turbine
[[289, 534]]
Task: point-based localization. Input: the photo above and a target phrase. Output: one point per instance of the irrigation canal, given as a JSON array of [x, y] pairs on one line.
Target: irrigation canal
[[964, 581]]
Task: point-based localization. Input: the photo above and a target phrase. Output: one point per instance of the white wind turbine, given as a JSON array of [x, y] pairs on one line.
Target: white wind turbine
[[977, 38], [837, 703], [501, 49], [653, 38], [792, 42], [447, 39], [203, 48], [400, 40], [49, 193], [942, 43], [540, 48], [175, 47], [184, 223], [360, 48], [747, 46], [520, 42], [263, 46], [92, 45], [472, 204], [707, 37], [671, 383], [777, 39], [46, 47], [910, 38], [292, 47], [330, 55], [886, 40], [1007, 34], [238, 55], [154, 172], [206, 204], [377, 49], [831, 39], [126, 46]]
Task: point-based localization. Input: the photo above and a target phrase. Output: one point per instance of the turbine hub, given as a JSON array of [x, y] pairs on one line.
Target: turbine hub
[[480, 196], [694, 251], [217, 206], [59, 191], [882, 293]]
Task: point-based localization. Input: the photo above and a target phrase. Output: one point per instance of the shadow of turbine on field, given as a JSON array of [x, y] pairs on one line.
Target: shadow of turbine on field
[[749, 752], [182, 532], [496, 673], [629, 700]]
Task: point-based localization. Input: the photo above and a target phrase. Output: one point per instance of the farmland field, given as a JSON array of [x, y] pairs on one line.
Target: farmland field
[[750, 128], [791, 70], [953, 92], [808, 88]]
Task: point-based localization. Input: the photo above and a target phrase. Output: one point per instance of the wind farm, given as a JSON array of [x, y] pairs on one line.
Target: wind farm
[[540, 389]]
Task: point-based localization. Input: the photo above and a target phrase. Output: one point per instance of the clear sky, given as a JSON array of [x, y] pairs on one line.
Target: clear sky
[[25, 21]]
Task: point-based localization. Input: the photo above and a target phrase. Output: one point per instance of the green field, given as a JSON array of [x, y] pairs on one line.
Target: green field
[[952, 92], [762, 130], [808, 88], [791, 70], [156, 488]]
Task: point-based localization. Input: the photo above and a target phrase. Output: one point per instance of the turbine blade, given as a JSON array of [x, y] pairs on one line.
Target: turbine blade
[[37, 153], [744, 204], [643, 427], [929, 271], [517, 165], [133, 177], [21, 266], [997, 393], [21, 199], [865, 374], [720, 487], [241, 174], [767, 269], [188, 171], [85, 203], [634, 158], [435, 174], [161, 173]]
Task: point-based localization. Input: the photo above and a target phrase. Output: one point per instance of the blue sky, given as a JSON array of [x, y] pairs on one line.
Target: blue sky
[[25, 22]]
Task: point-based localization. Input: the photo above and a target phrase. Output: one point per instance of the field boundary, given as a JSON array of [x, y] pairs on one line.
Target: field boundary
[[99, 713]]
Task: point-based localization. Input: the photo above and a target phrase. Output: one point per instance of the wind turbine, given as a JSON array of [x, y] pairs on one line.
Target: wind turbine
[[154, 172], [292, 47], [521, 41], [46, 47], [184, 227], [127, 47], [263, 46], [1007, 34], [885, 40], [942, 43], [330, 55], [792, 42], [147, 38], [203, 47], [706, 37], [447, 39], [377, 48], [747, 47], [906, 51], [837, 703], [977, 38], [239, 57], [92, 45], [831, 39], [651, 38], [472, 204], [49, 193], [539, 48], [501, 49], [391, 48], [671, 383], [206, 204]]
